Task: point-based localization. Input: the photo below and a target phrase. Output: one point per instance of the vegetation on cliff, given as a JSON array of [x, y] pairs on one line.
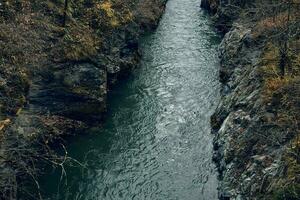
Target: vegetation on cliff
[[257, 123], [58, 59]]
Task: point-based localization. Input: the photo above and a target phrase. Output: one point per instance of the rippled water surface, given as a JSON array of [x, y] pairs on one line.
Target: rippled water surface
[[156, 142]]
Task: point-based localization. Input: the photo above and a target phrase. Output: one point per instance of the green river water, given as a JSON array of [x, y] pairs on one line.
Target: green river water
[[156, 142]]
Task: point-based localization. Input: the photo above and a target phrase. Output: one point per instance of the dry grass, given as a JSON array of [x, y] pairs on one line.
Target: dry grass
[[271, 74], [79, 43], [278, 22], [285, 100], [274, 84], [283, 95], [115, 18], [32, 41], [271, 24], [110, 12]]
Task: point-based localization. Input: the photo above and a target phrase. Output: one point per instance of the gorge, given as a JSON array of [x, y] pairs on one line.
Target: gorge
[[156, 141], [150, 99]]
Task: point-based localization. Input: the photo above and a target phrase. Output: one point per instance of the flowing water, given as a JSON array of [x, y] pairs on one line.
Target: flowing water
[[156, 143]]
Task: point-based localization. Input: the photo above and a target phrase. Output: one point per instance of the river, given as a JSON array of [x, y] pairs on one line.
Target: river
[[156, 142]]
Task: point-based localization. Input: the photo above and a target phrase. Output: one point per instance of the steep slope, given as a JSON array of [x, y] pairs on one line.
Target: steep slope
[[256, 125], [58, 61]]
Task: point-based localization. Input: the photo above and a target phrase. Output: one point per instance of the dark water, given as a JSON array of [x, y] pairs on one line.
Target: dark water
[[156, 142]]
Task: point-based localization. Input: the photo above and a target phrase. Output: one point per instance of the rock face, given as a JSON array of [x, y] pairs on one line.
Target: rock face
[[223, 15], [250, 146], [55, 77], [68, 71], [237, 116], [77, 91]]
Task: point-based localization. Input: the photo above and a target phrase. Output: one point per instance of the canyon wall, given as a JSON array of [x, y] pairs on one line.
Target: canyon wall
[[256, 124], [58, 62]]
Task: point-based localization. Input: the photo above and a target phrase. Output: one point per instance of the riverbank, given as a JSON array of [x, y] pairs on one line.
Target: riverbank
[[256, 125], [155, 142], [58, 63]]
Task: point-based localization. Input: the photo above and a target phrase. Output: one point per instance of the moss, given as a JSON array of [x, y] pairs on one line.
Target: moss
[[270, 73], [289, 183], [291, 192], [269, 61], [281, 95], [272, 85], [33, 45], [78, 43], [13, 91]]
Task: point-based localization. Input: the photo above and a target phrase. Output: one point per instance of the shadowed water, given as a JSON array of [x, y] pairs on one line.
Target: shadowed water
[[156, 143]]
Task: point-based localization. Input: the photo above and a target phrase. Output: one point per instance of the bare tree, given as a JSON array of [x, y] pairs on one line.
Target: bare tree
[[282, 26], [66, 7]]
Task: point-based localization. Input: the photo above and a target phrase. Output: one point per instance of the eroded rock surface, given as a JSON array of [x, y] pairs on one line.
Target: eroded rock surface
[[252, 145]]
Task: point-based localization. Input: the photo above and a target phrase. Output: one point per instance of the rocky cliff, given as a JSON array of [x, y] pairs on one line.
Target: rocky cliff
[[256, 124], [58, 61]]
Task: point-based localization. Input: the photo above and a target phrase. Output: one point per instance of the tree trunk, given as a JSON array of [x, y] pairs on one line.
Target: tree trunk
[[65, 13]]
